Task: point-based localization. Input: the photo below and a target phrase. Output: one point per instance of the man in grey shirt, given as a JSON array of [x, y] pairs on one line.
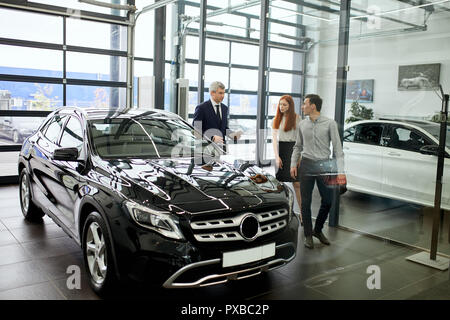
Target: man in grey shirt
[[312, 152]]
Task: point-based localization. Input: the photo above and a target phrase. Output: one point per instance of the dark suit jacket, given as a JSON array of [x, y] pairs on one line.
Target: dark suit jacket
[[205, 115]]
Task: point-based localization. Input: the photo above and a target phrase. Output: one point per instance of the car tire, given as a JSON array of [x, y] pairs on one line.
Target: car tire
[[29, 210], [97, 255], [15, 136]]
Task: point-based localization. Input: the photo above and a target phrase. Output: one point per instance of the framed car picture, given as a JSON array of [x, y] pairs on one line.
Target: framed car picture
[[419, 77], [360, 90]]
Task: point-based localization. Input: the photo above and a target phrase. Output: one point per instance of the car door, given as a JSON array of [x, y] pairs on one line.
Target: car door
[[68, 172], [43, 180], [363, 157], [407, 173]]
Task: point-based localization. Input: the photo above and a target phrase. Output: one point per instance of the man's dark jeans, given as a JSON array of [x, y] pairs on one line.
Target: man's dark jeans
[[310, 172]]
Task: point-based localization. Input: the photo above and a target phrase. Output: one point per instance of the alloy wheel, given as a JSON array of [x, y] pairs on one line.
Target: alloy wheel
[[96, 253], [25, 193]]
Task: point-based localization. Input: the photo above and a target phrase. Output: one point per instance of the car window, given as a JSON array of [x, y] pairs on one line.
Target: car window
[[53, 128], [72, 136], [407, 139], [368, 133], [349, 134]]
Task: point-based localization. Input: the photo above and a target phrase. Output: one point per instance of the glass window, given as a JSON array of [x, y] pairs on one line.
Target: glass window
[[53, 127], [407, 139], [244, 54], [368, 134], [14, 130], [232, 24], [217, 50], [213, 73], [192, 47], [76, 5], [30, 96], [96, 97], [144, 35], [96, 67], [284, 82], [243, 104], [30, 61], [244, 79], [96, 35], [349, 134], [282, 33], [72, 136], [191, 73], [38, 27], [281, 59], [193, 101], [143, 68]]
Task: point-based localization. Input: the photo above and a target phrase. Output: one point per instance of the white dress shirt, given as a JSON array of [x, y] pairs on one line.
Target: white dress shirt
[[214, 107]]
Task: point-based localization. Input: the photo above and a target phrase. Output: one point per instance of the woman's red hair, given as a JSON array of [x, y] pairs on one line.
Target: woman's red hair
[[291, 116]]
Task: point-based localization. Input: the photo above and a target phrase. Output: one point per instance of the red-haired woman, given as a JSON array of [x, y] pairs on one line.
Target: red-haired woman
[[284, 128]]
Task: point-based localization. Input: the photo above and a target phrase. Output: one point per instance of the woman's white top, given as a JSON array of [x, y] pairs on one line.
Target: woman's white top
[[290, 135]]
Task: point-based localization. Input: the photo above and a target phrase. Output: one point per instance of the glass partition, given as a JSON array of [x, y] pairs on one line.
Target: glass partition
[[398, 56]]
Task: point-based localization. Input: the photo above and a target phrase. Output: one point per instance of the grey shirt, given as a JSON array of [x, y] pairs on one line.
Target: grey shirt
[[313, 141]]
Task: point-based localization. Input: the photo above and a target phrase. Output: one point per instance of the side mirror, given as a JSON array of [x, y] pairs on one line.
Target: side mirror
[[430, 149], [66, 154]]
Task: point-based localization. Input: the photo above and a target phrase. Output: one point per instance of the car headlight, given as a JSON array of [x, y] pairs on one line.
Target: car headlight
[[159, 221], [291, 202]]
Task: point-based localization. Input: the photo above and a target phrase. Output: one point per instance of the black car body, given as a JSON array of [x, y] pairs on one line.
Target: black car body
[[177, 219]]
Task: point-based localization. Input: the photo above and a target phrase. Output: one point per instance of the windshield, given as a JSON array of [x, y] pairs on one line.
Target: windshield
[[148, 138], [434, 130]]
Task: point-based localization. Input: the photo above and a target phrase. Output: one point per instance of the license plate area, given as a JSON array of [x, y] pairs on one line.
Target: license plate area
[[235, 258]]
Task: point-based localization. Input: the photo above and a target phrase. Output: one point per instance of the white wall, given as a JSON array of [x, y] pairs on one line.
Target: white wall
[[378, 58]]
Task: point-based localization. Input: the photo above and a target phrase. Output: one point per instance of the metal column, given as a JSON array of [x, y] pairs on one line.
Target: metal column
[[159, 56], [341, 85], [261, 113], [201, 51], [130, 56]]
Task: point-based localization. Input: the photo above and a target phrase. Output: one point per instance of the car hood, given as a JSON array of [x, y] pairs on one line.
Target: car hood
[[182, 185]]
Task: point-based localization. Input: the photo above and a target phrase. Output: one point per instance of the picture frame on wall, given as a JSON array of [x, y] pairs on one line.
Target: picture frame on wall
[[419, 77], [360, 90]]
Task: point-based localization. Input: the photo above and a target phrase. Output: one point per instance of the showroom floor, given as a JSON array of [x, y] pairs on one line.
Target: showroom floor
[[34, 259]]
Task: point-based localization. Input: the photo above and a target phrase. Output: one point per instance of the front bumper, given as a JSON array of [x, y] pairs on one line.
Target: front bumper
[[208, 277], [145, 256]]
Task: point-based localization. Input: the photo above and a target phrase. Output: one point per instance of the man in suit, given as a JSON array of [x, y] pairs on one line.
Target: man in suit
[[211, 116]]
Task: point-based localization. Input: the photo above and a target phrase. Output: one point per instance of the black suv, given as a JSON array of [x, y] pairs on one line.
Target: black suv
[[149, 199]]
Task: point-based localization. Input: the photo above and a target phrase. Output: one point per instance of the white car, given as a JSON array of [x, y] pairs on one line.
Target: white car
[[417, 82], [396, 159]]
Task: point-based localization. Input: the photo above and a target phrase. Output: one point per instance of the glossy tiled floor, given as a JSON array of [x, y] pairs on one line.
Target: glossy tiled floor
[[34, 259]]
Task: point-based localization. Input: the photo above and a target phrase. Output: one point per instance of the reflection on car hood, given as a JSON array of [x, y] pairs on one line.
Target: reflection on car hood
[[183, 185]]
